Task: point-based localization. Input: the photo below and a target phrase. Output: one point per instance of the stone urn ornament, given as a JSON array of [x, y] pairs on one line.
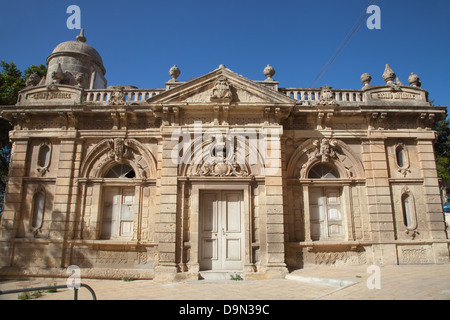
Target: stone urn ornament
[[414, 80], [269, 72], [366, 78], [174, 72]]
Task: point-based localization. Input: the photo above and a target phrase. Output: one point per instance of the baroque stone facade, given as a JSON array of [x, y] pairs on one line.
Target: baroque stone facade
[[216, 174]]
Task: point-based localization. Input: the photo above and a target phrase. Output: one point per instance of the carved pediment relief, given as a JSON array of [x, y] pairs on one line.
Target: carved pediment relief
[[223, 91]]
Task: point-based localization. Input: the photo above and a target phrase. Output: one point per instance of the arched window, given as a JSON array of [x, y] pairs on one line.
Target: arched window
[[44, 156], [121, 171], [400, 155], [406, 208], [323, 171], [402, 159], [38, 210]]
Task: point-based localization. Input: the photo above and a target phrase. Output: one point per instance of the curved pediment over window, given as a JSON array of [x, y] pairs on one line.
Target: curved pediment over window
[[111, 157], [315, 158]]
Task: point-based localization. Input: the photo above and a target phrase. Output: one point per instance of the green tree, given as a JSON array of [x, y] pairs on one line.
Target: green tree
[[442, 150], [11, 82]]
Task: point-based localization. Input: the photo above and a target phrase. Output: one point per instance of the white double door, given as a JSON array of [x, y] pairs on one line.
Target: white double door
[[221, 230]]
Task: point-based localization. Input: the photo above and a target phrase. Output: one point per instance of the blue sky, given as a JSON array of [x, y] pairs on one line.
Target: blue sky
[[140, 40]]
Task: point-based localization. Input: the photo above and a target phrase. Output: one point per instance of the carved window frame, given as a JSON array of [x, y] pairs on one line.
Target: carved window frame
[[403, 169], [42, 168]]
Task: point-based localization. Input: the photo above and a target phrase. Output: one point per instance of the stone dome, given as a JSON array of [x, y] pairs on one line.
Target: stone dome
[[76, 63], [73, 48]]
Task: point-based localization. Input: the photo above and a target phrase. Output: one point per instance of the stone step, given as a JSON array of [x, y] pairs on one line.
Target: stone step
[[221, 275], [337, 283]]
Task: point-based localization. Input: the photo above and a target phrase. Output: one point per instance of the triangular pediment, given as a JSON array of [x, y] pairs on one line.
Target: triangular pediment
[[221, 86]]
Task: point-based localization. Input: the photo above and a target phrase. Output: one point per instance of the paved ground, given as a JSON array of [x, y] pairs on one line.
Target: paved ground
[[426, 282]]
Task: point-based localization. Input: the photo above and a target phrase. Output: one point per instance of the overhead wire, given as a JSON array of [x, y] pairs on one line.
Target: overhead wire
[[343, 45]]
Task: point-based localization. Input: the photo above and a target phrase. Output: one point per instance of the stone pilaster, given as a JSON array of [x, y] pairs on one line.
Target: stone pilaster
[[432, 200], [378, 190], [13, 200], [63, 206], [274, 202], [381, 220], [166, 226]]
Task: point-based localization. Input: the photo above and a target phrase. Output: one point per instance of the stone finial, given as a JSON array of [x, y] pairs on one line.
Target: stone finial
[[269, 72], [414, 80], [389, 75], [174, 72], [81, 37], [366, 78]]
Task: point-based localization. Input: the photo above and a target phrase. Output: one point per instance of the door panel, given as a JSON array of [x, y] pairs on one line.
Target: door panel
[[210, 249], [233, 249], [221, 230], [210, 205], [233, 213]]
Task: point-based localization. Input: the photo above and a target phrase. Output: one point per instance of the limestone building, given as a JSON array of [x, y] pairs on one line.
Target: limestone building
[[216, 174]]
